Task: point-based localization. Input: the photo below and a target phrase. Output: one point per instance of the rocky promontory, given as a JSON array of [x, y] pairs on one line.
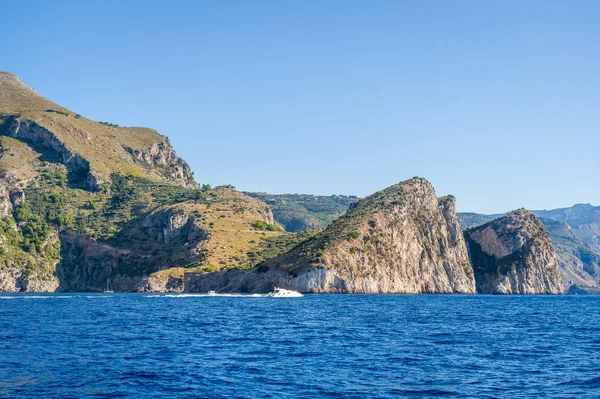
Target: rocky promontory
[[514, 255], [403, 239]]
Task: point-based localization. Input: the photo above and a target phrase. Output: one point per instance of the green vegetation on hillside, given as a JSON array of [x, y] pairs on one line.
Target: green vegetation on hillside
[[297, 212], [469, 219], [262, 225], [100, 215]]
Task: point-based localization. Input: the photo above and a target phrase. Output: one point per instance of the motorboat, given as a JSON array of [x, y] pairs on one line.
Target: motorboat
[[212, 292], [283, 293]]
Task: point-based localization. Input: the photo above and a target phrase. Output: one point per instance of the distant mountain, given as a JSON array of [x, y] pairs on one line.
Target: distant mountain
[[583, 218], [469, 219], [297, 212], [579, 261]]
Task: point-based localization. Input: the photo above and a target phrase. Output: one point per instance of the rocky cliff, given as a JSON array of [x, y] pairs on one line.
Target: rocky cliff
[[403, 239], [514, 255], [571, 231]]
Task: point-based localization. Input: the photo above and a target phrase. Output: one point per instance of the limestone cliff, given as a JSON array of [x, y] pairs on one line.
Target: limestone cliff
[[400, 240], [514, 255]]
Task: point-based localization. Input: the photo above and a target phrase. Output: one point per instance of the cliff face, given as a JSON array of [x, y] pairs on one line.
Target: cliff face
[[574, 232], [399, 240], [22, 271], [15, 280], [163, 155], [167, 238], [514, 255]]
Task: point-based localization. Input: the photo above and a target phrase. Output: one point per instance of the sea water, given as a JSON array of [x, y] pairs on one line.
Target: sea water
[[318, 346]]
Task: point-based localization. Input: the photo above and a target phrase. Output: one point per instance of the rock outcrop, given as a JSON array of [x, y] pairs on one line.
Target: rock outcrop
[[514, 255], [26, 272], [400, 240], [161, 282], [163, 155], [15, 280]]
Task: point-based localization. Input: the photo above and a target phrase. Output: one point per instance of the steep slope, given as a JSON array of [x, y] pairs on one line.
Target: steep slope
[[91, 151], [400, 240], [514, 255], [82, 203], [298, 212]]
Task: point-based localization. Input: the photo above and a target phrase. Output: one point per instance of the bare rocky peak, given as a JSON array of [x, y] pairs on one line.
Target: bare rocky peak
[[504, 235]]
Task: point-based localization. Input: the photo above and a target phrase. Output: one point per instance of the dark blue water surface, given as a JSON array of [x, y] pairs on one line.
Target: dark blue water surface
[[157, 346]]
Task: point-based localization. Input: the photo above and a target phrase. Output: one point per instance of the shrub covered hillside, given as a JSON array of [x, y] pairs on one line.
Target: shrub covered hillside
[[83, 204], [298, 212]]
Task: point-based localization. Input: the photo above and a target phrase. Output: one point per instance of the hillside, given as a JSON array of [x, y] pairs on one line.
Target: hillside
[[298, 212], [90, 151], [403, 239], [82, 203]]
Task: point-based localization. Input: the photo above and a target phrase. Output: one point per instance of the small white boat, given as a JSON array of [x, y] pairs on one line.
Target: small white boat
[[212, 292], [108, 290], [283, 293]]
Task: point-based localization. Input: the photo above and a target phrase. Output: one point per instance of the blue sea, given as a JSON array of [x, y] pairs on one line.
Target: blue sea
[[318, 346]]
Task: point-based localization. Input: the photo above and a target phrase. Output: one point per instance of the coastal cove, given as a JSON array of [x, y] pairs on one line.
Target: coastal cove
[[181, 346]]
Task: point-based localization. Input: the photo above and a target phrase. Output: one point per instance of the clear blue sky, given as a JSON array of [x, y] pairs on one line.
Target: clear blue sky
[[496, 102]]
